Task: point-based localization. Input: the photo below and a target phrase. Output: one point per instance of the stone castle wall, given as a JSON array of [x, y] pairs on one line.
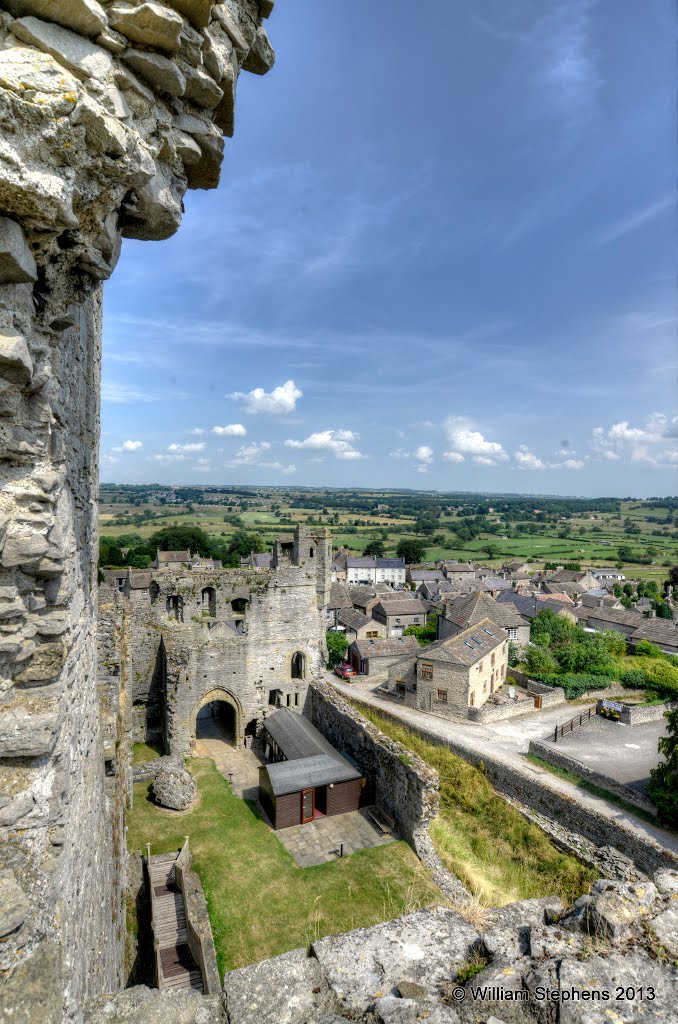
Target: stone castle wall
[[108, 113]]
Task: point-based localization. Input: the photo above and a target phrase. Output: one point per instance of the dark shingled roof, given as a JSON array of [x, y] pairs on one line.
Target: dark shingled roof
[[339, 596], [140, 580], [400, 606], [465, 611], [352, 618], [174, 556], [295, 735], [386, 647], [309, 772], [658, 631], [468, 647]]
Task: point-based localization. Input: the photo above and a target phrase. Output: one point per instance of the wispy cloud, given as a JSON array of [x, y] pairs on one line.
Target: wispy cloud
[[634, 219]]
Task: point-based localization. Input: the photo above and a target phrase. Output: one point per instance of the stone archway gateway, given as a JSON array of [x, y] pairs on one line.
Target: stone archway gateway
[[220, 696], [101, 137]]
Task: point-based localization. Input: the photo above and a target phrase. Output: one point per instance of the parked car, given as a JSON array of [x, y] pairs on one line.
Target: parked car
[[344, 671]]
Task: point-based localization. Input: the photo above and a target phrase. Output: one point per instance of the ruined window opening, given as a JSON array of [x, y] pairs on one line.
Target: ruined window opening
[[208, 600], [175, 607], [287, 550], [239, 605], [298, 665], [154, 591], [289, 700], [310, 553]]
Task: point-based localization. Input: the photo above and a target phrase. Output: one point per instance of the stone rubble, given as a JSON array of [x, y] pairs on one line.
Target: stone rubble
[[173, 785]]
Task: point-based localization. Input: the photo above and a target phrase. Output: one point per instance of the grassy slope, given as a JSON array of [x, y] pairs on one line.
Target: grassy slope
[[260, 903], [482, 839]]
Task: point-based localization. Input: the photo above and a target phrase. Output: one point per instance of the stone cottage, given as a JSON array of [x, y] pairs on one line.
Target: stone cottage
[[461, 612]]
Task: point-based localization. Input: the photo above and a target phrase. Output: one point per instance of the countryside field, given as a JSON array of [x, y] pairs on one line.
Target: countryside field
[[540, 529]]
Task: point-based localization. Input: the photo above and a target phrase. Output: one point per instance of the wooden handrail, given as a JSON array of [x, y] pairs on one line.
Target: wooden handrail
[[574, 723]]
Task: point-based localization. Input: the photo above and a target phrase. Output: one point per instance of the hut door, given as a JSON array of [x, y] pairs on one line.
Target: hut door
[[307, 802]]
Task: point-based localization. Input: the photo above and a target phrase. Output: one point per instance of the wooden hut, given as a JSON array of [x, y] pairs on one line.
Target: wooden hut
[[307, 778]]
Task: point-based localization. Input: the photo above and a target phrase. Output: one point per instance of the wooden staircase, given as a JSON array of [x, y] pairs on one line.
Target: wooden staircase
[[176, 965]]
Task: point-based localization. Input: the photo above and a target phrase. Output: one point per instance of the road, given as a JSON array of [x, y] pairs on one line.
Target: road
[[508, 741]]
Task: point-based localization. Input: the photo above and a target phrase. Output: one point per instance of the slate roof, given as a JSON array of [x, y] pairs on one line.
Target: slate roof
[[386, 647], [468, 647], [424, 575], [529, 605], [258, 560], [571, 589], [295, 735], [458, 567], [619, 615], [375, 563], [361, 596], [465, 611], [140, 580], [352, 618], [340, 596], [174, 556], [400, 606], [309, 772], [566, 576], [658, 631], [496, 583]]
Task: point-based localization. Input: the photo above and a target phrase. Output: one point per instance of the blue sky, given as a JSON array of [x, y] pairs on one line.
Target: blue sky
[[442, 255]]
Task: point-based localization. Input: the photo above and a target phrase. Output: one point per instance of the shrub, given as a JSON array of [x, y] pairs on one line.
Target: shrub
[[648, 650], [537, 659], [663, 784], [633, 678], [575, 683]]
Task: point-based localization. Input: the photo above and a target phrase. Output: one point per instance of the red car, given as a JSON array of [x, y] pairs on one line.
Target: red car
[[344, 671]]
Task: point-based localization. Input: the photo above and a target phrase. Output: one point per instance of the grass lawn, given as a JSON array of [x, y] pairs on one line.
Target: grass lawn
[[260, 903], [498, 855], [143, 752]]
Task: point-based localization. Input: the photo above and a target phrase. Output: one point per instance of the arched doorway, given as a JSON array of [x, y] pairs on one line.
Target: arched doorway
[[208, 600], [298, 665], [216, 721], [218, 717]]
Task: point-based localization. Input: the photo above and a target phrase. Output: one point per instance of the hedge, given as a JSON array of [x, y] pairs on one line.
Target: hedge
[[574, 683]]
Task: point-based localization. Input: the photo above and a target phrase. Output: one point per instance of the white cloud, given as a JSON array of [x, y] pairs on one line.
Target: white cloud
[[192, 446], [129, 446], [526, 459], [279, 467], [175, 457], [109, 460], [654, 443], [465, 440], [202, 466], [341, 442], [279, 402], [248, 454], [196, 431], [454, 457], [424, 454], [573, 464], [231, 430]]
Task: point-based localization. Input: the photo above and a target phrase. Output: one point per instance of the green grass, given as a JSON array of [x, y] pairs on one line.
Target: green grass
[[143, 752], [260, 903], [498, 855], [589, 787]]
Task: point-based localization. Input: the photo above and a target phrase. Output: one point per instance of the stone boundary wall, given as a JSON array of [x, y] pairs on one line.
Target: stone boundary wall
[[405, 786], [522, 786], [200, 938], [549, 753], [640, 714]]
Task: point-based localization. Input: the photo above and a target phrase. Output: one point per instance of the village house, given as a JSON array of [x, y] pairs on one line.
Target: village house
[[662, 632], [461, 612], [257, 560], [356, 626], [376, 570], [339, 598], [415, 577], [458, 572], [618, 619], [494, 585], [374, 657], [338, 568], [172, 560], [608, 575], [516, 567], [529, 605], [399, 612], [585, 579], [454, 674]]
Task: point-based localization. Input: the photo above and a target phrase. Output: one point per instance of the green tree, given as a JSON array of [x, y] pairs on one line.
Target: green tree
[[139, 561], [375, 549], [412, 550], [538, 659], [337, 646], [182, 538], [491, 550], [663, 784]]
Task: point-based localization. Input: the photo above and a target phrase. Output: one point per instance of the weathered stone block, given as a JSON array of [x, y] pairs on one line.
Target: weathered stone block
[[197, 11], [665, 927], [141, 1005], [667, 882], [261, 56], [608, 973], [17, 265], [26, 734], [287, 989], [266, 8], [151, 24], [13, 904], [20, 548], [85, 16], [45, 664], [83, 58], [159, 71], [173, 786], [391, 1010], [427, 948], [15, 361], [104, 133], [201, 89]]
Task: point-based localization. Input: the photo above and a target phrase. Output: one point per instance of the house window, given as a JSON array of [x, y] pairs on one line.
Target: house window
[[472, 699], [492, 662], [480, 667], [372, 633], [426, 671], [512, 633], [442, 696], [397, 620], [416, 618]]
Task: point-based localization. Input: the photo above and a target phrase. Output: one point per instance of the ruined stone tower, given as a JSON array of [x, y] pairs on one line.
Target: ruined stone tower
[[108, 113]]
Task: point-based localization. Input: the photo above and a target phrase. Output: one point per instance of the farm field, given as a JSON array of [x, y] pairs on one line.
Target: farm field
[[641, 535]]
